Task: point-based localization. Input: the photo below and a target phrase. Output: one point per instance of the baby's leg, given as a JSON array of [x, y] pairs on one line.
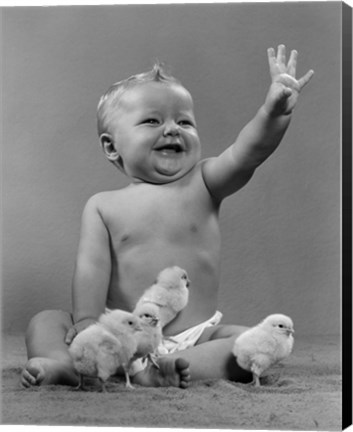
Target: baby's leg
[[171, 372], [216, 344], [210, 358], [49, 361]]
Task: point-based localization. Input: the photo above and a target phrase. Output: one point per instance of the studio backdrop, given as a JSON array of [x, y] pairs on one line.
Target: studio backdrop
[[281, 233]]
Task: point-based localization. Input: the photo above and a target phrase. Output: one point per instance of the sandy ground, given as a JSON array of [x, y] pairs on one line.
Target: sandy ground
[[303, 393]]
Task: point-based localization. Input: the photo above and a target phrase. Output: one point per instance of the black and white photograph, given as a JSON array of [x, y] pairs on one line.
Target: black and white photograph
[[172, 215]]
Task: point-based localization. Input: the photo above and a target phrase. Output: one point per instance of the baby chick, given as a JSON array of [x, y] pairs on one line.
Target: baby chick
[[264, 345], [169, 293], [102, 347], [149, 339]]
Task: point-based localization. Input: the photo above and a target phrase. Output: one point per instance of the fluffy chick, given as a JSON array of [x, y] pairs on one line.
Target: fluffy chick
[[169, 293], [264, 345], [150, 337], [102, 347]]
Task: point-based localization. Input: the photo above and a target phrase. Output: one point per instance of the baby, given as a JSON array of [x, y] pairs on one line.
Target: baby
[[167, 216]]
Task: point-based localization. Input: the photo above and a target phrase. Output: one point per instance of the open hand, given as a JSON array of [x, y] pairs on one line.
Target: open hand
[[285, 88]]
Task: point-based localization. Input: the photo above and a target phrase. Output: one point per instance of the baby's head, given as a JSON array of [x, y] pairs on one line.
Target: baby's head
[[147, 127], [109, 101]]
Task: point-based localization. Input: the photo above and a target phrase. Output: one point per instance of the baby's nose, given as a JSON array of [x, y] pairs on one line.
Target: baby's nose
[[171, 128]]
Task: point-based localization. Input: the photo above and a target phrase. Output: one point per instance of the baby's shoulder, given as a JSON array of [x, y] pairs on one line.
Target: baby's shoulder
[[105, 197], [102, 201]]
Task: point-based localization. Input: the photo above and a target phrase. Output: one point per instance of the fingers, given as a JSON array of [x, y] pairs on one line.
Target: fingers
[[272, 61], [68, 338], [286, 93], [281, 54], [280, 59], [70, 335], [278, 64], [305, 79], [281, 97], [292, 63], [271, 54]]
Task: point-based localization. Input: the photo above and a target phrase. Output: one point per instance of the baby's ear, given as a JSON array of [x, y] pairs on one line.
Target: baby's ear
[[110, 150], [108, 146]]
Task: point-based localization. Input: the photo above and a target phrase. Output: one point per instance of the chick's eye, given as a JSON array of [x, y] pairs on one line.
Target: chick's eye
[[184, 277], [280, 325]]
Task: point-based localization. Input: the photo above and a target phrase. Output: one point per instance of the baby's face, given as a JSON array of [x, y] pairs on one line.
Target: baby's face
[[154, 132]]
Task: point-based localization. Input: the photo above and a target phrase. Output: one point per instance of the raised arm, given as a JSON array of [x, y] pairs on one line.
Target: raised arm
[[92, 272], [231, 170]]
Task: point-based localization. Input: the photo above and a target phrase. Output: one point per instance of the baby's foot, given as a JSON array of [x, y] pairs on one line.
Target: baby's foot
[[171, 373], [44, 371]]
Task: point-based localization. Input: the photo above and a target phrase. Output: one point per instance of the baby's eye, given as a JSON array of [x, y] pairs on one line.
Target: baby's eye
[[151, 121], [280, 325], [186, 123]]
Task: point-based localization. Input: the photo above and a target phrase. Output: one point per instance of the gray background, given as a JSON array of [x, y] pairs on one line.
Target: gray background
[[281, 233]]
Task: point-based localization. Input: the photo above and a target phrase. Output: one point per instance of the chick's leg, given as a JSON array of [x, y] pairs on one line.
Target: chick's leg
[[256, 380], [80, 383], [260, 363], [153, 359], [103, 386], [127, 378]]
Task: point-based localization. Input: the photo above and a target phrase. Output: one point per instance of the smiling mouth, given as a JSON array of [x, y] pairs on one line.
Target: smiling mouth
[[170, 148]]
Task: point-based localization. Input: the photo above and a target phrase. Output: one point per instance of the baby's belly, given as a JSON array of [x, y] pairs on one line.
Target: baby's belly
[[137, 267]]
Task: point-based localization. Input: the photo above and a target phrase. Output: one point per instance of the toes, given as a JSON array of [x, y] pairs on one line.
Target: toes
[[28, 380], [184, 385], [38, 374], [33, 373], [185, 381], [182, 368], [184, 372], [24, 382], [181, 364]]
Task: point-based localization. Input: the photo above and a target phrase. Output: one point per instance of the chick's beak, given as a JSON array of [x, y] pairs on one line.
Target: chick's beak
[[138, 327], [155, 321]]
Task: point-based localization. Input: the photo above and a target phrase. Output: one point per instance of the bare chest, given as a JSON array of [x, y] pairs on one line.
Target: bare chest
[[162, 214], [153, 227]]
